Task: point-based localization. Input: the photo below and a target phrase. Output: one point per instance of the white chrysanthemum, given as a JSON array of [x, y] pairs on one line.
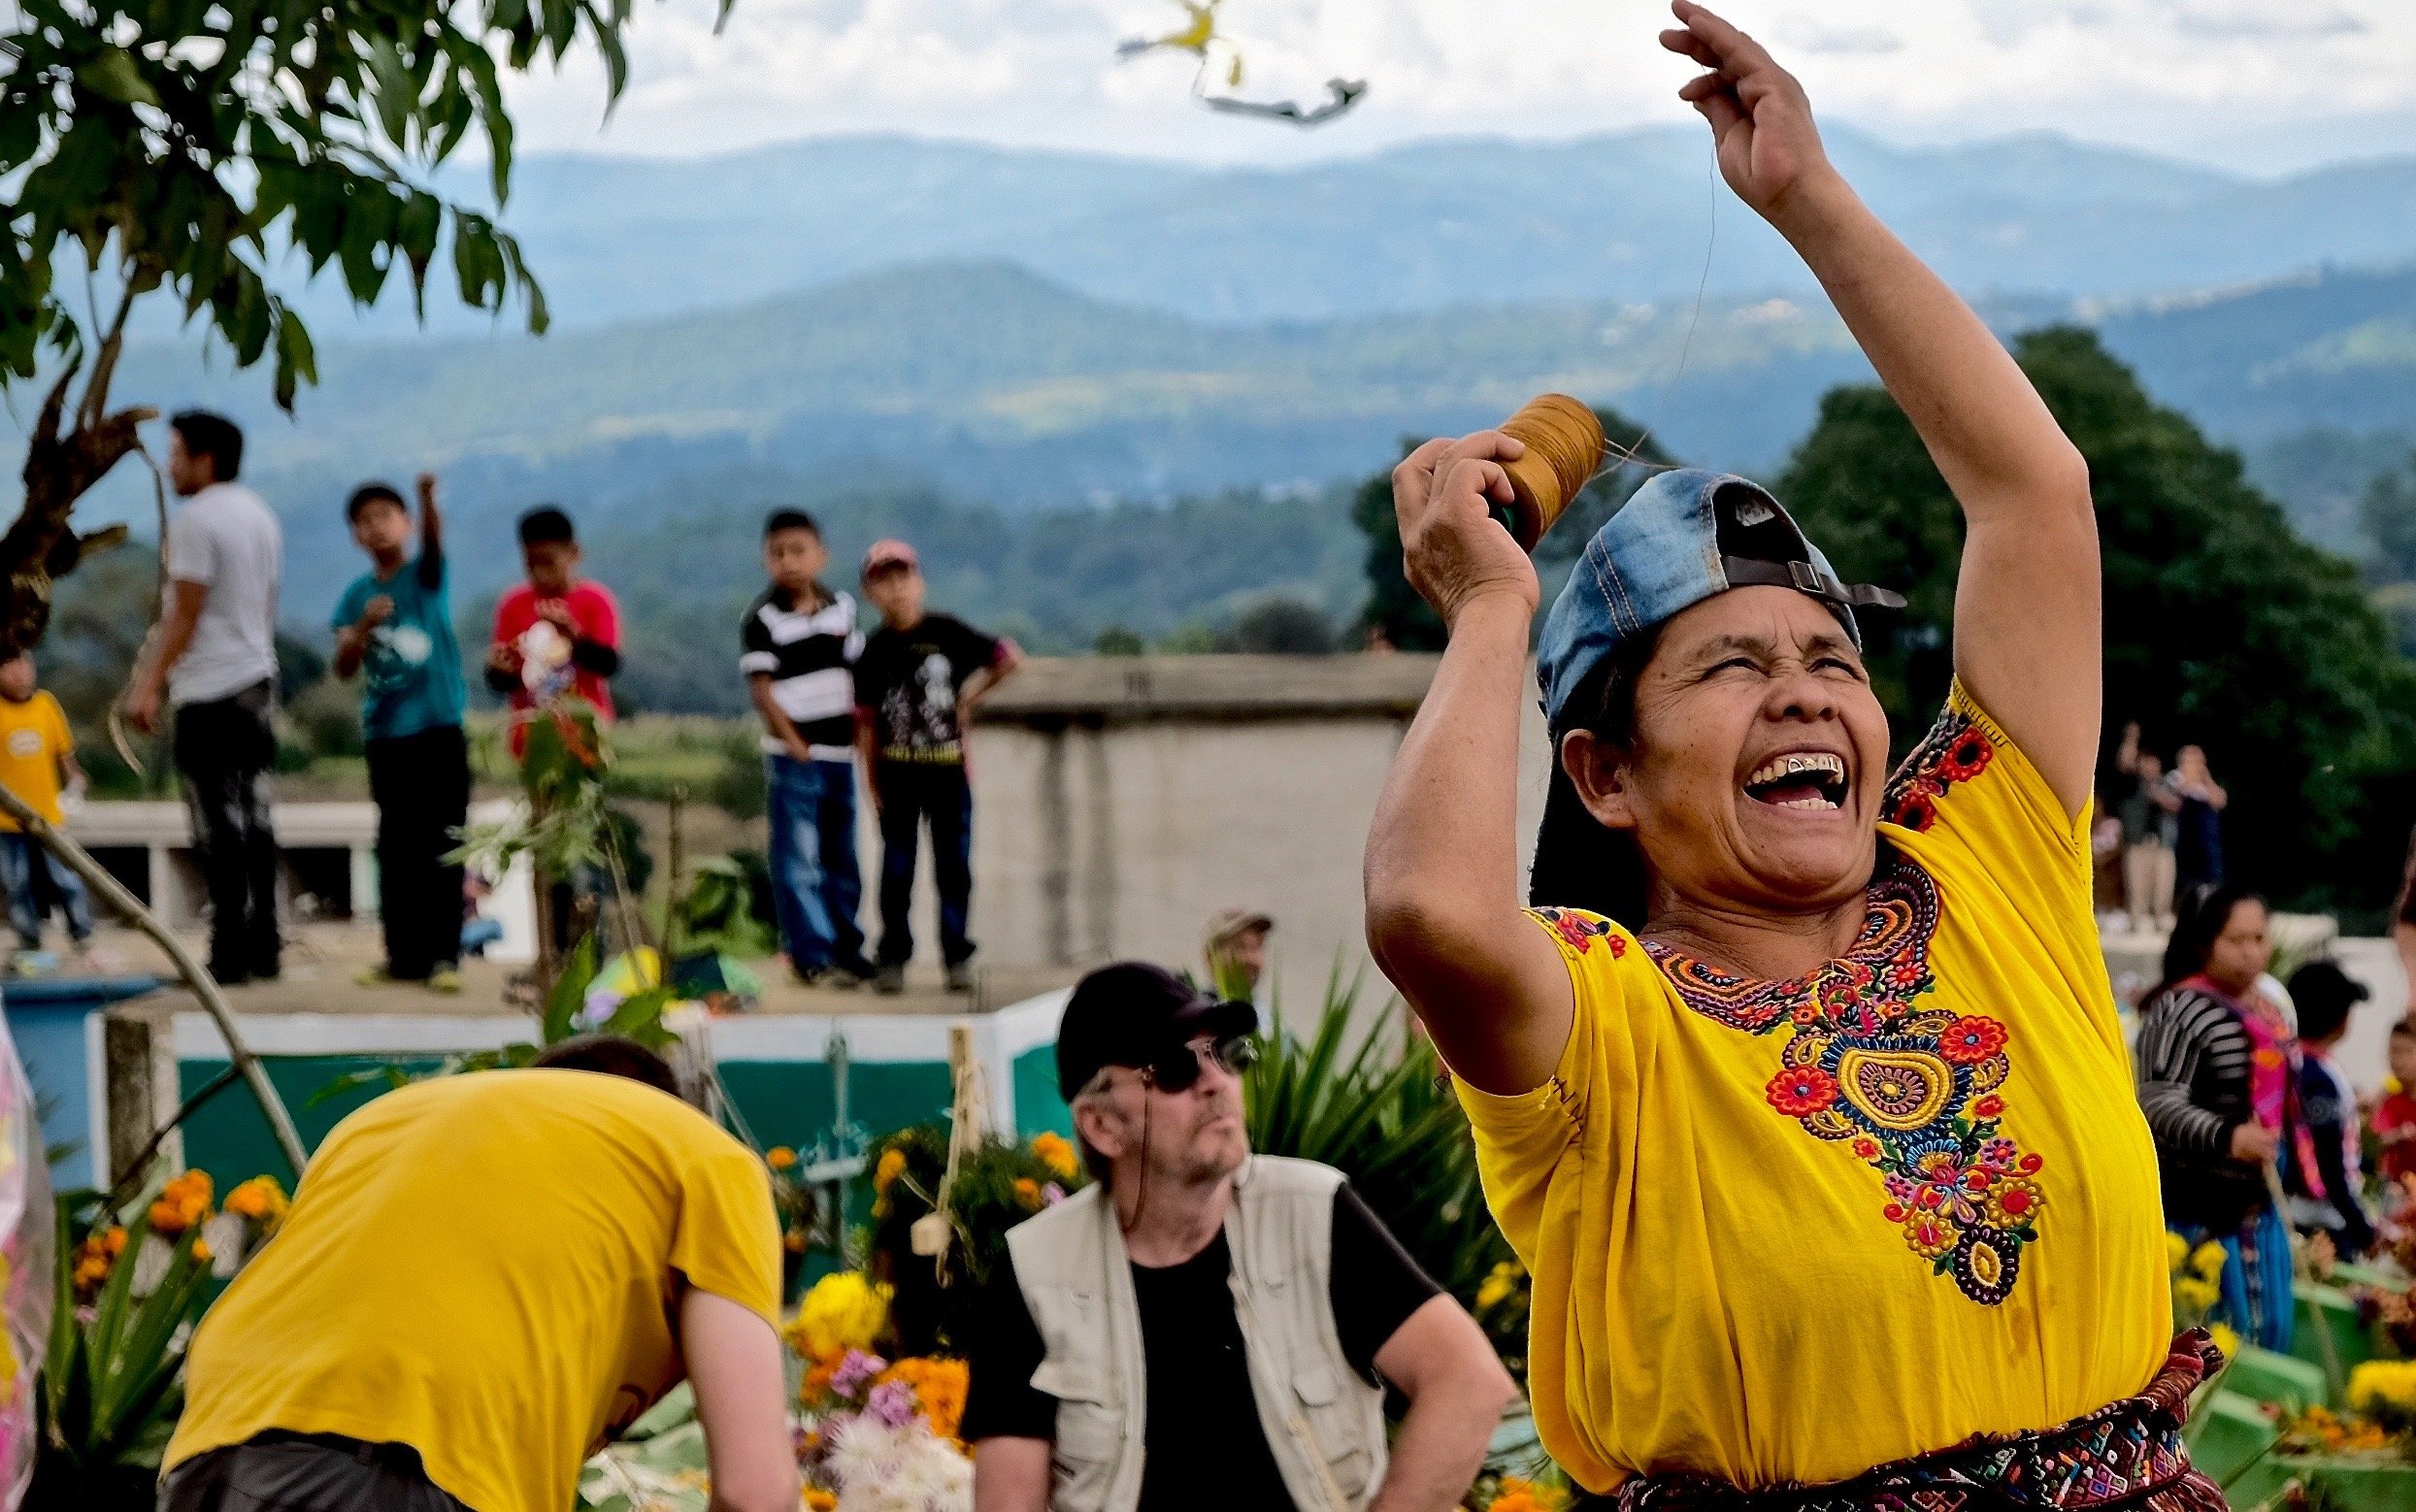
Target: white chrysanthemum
[[879, 1468]]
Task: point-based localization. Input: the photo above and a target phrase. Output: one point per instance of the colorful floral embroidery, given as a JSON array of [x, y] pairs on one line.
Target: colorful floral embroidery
[[1911, 1092], [1580, 931], [1955, 750]]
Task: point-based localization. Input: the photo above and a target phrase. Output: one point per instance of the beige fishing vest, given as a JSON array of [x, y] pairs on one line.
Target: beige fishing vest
[[1323, 1421]]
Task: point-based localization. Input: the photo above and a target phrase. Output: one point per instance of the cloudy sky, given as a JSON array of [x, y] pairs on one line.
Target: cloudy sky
[[2259, 84]]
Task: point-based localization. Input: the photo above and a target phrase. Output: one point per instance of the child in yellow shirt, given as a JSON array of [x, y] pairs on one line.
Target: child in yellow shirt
[[37, 759]]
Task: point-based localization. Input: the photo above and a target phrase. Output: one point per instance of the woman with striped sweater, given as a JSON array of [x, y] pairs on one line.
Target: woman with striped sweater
[[2217, 1066]]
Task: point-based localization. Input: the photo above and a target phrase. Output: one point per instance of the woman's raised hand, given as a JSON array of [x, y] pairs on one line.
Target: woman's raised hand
[[1452, 548], [1759, 115]]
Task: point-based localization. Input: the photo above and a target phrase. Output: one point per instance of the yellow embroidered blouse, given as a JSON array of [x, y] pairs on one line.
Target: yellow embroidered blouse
[[1789, 1231]]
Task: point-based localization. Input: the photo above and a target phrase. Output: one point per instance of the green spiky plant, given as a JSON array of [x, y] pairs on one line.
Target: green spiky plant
[[1376, 1104], [112, 1379]]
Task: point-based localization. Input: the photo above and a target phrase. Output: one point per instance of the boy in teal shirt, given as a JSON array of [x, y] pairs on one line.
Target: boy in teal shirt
[[395, 625]]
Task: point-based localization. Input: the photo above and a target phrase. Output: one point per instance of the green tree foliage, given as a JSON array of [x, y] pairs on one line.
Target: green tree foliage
[[1394, 608], [2221, 626], [2387, 516], [183, 147]]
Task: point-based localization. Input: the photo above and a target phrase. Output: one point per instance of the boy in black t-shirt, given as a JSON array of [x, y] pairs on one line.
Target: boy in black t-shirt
[[916, 683]]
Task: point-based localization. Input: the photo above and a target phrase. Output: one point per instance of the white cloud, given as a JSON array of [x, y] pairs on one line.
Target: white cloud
[[2150, 72]]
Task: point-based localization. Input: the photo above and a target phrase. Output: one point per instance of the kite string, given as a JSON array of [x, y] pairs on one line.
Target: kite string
[[1618, 457]]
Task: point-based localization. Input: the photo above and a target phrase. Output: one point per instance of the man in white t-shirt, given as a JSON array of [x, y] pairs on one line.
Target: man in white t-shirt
[[214, 656]]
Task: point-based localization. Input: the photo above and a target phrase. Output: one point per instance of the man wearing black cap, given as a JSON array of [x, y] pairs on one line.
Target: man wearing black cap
[[1205, 1328]]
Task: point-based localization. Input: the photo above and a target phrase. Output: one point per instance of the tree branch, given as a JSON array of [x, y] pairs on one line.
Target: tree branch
[[105, 360], [113, 893]]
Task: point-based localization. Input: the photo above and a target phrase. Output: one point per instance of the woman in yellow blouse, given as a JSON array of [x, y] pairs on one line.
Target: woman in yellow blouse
[[1800, 1091]]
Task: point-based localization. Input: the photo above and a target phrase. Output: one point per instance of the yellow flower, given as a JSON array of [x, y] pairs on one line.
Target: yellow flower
[[2195, 1296], [1498, 1285], [1056, 1152], [1027, 1191], [203, 1255], [2177, 1250], [2207, 1260], [2387, 1384], [817, 1499], [844, 1310], [779, 1156], [2227, 1339], [892, 1166]]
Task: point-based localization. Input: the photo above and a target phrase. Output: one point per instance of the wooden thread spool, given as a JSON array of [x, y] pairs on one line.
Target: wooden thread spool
[[1565, 449]]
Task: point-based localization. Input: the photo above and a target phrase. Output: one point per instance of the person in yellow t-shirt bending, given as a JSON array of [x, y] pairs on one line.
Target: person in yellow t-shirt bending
[[38, 764], [483, 1279], [1799, 1088]]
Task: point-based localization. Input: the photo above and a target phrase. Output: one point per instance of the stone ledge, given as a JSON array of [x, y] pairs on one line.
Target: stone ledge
[[1099, 690]]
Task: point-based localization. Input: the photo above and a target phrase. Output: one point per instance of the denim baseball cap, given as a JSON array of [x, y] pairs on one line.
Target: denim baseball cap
[[1681, 538]]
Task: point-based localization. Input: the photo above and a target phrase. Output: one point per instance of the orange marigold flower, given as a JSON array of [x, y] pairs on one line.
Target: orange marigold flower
[[938, 1390], [183, 1203], [1056, 1152], [892, 1166], [1027, 1191], [779, 1156], [262, 1199]]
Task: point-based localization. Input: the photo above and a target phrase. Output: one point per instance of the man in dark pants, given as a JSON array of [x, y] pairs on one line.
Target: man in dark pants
[[916, 683], [395, 625], [215, 659]]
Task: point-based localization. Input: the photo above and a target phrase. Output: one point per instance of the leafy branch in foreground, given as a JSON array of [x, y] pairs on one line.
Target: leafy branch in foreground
[[183, 147]]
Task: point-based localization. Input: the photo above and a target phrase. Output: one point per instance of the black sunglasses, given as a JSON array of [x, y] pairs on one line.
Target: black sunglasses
[[1179, 1070]]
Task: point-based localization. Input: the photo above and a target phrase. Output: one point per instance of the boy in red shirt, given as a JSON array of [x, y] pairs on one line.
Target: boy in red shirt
[[556, 633], [2394, 1118]]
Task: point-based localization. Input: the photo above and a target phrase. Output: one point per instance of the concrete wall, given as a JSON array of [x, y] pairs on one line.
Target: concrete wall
[[1119, 802]]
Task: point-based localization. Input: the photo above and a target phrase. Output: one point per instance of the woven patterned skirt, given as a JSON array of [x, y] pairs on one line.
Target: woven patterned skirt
[[2128, 1455]]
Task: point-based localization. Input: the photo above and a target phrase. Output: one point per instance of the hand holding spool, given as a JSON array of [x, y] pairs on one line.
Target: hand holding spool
[[1461, 503], [1565, 449]]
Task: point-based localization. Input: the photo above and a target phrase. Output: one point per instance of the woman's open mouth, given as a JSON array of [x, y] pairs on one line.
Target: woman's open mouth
[[1813, 780]]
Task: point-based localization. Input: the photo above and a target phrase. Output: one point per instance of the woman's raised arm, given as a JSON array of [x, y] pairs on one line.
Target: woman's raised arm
[[1445, 918], [2027, 621]]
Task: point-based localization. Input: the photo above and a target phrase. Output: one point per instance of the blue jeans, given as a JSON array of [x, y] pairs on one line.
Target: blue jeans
[[816, 887], [19, 855]]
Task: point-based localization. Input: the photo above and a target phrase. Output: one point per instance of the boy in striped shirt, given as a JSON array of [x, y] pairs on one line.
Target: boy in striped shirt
[[799, 643]]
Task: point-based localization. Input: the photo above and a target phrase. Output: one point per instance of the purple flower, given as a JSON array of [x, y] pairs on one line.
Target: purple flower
[[856, 1371], [893, 1403], [1051, 1195]]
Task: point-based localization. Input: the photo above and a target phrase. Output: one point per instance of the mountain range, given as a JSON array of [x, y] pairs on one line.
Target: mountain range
[[952, 338], [1631, 215]]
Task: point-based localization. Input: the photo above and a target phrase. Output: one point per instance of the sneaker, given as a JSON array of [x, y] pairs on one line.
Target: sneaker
[[445, 979], [848, 976], [889, 980], [809, 976], [375, 976], [961, 976]]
